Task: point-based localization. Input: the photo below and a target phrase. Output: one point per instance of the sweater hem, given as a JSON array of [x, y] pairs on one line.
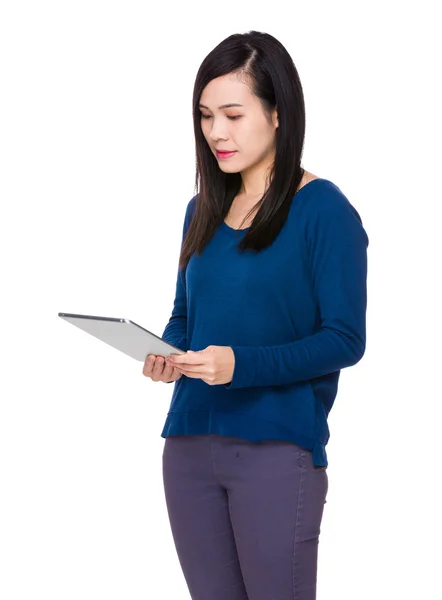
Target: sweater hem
[[241, 425]]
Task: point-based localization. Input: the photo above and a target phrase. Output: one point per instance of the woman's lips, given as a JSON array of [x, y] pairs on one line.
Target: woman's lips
[[225, 154]]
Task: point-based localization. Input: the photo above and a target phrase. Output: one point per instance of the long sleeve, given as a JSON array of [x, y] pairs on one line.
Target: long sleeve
[[175, 331], [337, 244]]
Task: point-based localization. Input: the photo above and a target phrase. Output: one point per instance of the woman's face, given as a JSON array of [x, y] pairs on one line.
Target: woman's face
[[243, 129]]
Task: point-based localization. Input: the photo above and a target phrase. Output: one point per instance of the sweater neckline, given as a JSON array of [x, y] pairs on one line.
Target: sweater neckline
[[244, 229]]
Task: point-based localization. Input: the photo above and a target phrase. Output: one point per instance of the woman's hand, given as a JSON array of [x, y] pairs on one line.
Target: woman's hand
[[156, 368], [214, 364]]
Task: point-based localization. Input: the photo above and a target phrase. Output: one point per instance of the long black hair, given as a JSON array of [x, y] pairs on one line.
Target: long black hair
[[269, 69]]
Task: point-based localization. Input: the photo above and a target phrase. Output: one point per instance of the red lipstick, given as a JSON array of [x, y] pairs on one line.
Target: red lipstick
[[222, 154]]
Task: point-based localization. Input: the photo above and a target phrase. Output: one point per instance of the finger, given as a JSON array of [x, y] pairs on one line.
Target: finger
[[175, 374], [190, 358], [168, 371], [189, 372], [190, 368], [154, 372], [159, 365], [180, 369], [149, 364]]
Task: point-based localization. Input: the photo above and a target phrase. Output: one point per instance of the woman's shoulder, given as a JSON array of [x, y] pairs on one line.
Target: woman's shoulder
[[323, 192], [324, 201]]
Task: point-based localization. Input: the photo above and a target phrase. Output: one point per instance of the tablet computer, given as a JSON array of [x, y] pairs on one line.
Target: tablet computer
[[124, 335]]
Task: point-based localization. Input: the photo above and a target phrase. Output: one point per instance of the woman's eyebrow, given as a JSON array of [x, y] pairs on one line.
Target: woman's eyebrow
[[222, 105]]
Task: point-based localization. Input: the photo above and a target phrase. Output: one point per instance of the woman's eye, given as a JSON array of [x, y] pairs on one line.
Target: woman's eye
[[231, 118]]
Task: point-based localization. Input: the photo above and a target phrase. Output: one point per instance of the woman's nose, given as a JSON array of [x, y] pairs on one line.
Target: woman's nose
[[218, 132]]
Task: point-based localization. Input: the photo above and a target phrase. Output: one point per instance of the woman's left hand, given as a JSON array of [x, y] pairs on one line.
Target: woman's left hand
[[214, 364]]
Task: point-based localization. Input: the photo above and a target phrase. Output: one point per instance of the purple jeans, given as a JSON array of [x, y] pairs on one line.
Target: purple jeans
[[245, 516]]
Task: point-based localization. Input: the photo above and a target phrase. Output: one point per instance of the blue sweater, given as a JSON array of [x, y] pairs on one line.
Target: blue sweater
[[294, 315]]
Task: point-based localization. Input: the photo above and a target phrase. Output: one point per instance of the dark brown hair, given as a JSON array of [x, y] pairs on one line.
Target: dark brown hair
[[266, 65]]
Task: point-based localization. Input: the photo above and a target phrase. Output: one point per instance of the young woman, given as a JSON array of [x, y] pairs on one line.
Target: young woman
[[270, 305]]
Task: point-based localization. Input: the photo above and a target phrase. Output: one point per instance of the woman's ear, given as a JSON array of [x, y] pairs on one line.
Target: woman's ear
[[275, 118]]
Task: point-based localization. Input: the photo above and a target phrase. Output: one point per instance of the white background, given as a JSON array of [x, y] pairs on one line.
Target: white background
[[97, 167]]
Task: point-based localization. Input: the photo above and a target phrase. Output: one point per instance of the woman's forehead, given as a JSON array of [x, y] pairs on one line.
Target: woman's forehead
[[225, 90]]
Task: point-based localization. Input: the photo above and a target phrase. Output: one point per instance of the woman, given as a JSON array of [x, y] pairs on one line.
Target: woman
[[270, 305]]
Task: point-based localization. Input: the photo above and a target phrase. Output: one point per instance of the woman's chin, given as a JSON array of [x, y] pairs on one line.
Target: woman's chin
[[228, 168]]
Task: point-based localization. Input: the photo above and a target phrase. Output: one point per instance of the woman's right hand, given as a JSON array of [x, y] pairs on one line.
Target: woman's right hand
[[156, 368]]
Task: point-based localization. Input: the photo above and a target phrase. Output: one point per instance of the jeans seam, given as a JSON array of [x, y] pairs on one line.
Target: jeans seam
[[298, 511]]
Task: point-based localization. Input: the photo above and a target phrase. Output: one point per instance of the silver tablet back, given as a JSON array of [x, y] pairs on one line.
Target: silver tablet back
[[123, 334]]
